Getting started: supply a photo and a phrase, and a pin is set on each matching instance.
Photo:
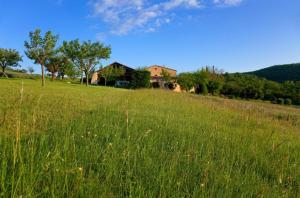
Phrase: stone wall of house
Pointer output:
(157, 70)
(95, 79)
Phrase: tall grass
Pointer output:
(67, 140)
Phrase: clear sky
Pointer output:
(234, 35)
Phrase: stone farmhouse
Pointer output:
(155, 72)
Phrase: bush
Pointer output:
(154, 85)
(186, 81)
(202, 89)
(288, 101)
(214, 86)
(170, 85)
(140, 79)
(274, 100)
(280, 101)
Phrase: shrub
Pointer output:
(274, 100)
(214, 86)
(186, 81)
(202, 89)
(280, 101)
(154, 85)
(140, 79)
(170, 85)
(288, 101)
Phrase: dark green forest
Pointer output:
(280, 73)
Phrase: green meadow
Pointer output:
(68, 140)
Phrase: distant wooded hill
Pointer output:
(280, 73)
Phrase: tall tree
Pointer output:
(52, 65)
(85, 55)
(9, 58)
(41, 48)
(72, 50)
(201, 79)
(66, 67)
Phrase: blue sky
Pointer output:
(233, 35)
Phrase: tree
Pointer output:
(52, 65)
(71, 71)
(141, 78)
(9, 58)
(41, 49)
(111, 73)
(86, 55)
(215, 82)
(201, 80)
(66, 67)
(72, 50)
(186, 81)
(31, 70)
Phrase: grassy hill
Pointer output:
(67, 140)
(280, 73)
(12, 73)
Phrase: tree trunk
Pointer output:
(53, 76)
(87, 78)
(81, 80)
(3, 71)
(43, 76)
(63, 76)
(105, 82)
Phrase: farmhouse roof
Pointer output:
(162, 67)
(118, 65)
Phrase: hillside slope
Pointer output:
(280, 73)
(72, 141)
(11, 73)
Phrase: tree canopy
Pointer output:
(41, 48)
(280, 73)
(85, 55)
(186, 81)
(52, 65)
(9, 58)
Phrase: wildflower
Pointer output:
(48, 154)
(147, 132)
(202, 185)
(80, 169)
(280, 179)
(95, 135)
